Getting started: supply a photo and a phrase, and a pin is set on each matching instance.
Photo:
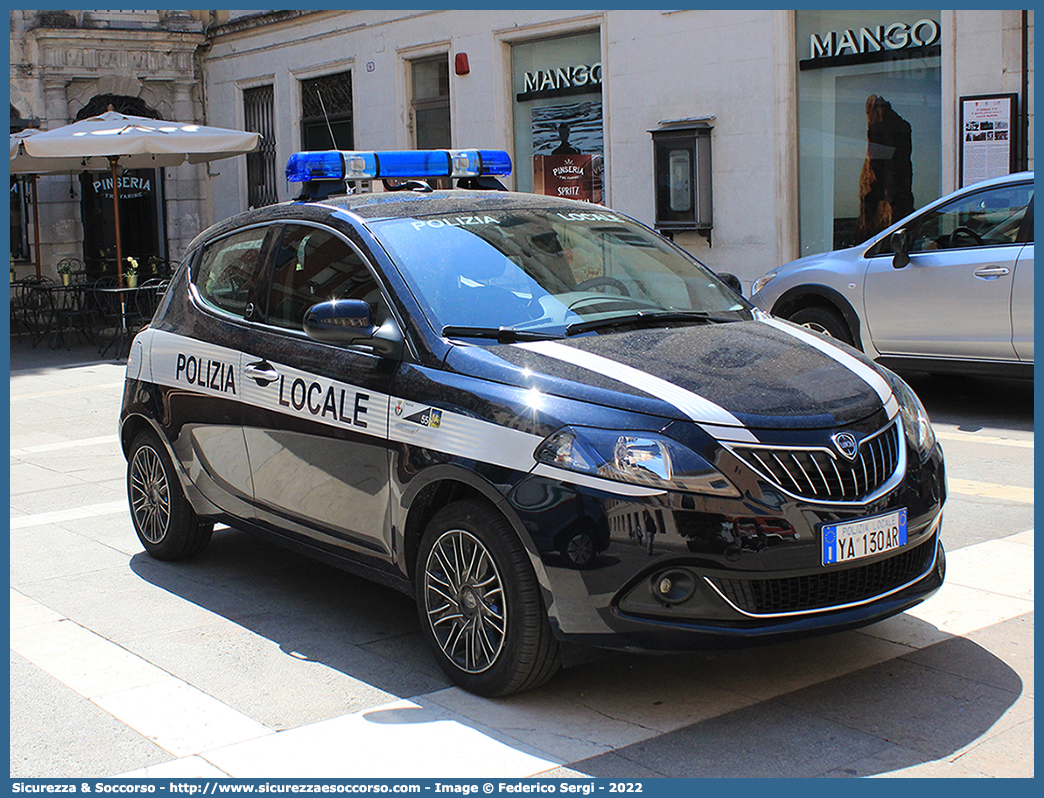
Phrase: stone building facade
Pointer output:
(772, 105)
(69, 64)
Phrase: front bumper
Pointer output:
(738, 575)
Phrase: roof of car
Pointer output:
(396, 205)
(399, 204)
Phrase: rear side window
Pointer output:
(228, 271)
(313, 265)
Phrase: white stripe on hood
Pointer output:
(856, 366)
(701, 410)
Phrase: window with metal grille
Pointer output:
(430, 108)
(259, 117)
(326, 112)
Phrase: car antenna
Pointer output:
(333, 139)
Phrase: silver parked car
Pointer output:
(947, 289)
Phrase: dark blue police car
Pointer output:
(539, 418)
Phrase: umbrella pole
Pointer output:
(113, 161)
(36, 226)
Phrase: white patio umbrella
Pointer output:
(25, 164)
(19, 160)
(112, 140)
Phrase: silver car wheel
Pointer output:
(149, 494)
(464, 601)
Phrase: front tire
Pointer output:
(479, 603)
(827, 321)
(164, 521)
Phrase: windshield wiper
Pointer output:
(654, 317)
(503, 335)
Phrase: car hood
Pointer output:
(761, 374)
(834, 256)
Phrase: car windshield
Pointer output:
(550, 272)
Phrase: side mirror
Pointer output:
(898, 241)
(347, 322)
(732, 281)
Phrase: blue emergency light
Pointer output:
(395, 164)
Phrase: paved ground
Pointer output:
(252, 661)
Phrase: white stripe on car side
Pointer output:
(333, 403)
(863, 371)
(710, 416)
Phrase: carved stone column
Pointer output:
(186, 186)
(61, 231)
(56, 104)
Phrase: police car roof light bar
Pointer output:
(399, 164)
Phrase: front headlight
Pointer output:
(639, 458)
(761, 282)
(915, 418)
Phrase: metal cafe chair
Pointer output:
(21, 312)
(29, 307)
(71, 312)
(75, 268)
(141, 305)
(105, 305)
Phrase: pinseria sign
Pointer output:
(130, 187)
(867, 42)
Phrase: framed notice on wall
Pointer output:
(987, 136)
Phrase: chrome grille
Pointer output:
(822, 474)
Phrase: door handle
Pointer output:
(991, 272)
(262, 372)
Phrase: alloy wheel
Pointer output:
(464, 601)
(149, 494)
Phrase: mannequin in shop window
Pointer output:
(564, 147)
(886, 181)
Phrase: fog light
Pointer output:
(673, 587)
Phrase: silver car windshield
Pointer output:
(549, 271)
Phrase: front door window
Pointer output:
(984, 219)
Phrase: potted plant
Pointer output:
(65, 270)
(130, 272)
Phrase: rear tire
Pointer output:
(479, 603)
(825, 320)
(164, 521)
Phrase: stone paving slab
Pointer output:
(253, 660)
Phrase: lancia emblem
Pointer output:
(846, 443)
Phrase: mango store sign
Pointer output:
(874, 38)
(561, 80)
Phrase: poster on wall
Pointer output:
(986, 137)
(567, 150)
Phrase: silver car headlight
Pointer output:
(638, 458)
(761, 282)
(915, 418)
